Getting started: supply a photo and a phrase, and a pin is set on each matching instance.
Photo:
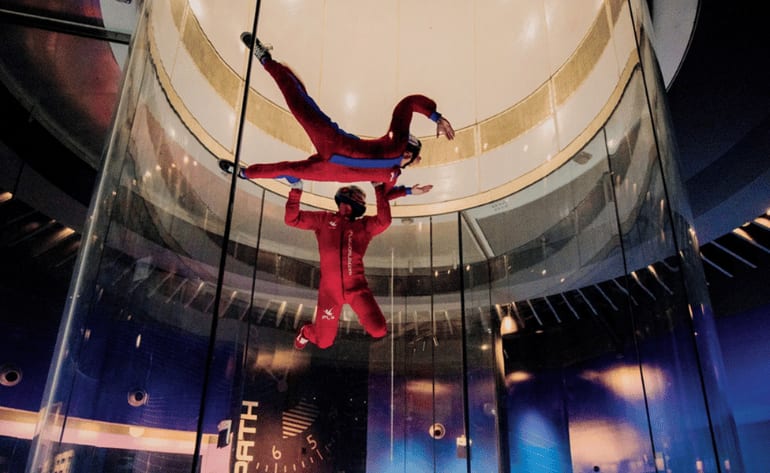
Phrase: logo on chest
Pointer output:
(350, 252)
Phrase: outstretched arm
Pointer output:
(292, 214)
(402, 116)
(401, 191)
(294, 217)
(418, 189)
(382, 220)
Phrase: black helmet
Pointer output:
(353, 196)
(414, 145)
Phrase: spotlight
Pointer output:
(437, 431)
(10, 375)
(138, 397)
(508, 325)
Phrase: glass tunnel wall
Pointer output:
(562, 328)
(707, 348)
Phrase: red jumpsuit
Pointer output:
(341, 244)
(341, 156)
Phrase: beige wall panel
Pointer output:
(360, 68)
(623, 39)
(165, 35)
(511, 54)
(516, 120)
(436, 54)
(222, 79)
(578, 112)
(568, 23)
(223, 27)
(295, 31)
(215, 115)
(519, 156)
(450, 182)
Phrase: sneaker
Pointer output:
(300, 342)
(289, 179)
(261, 51)
(228, 167)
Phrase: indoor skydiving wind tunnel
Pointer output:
(545, 306)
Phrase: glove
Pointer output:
(297, 184)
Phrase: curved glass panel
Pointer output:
(708, 355)
(131, 380)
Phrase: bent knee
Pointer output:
(379, 331)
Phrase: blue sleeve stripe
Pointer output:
(365, 162)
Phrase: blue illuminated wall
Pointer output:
(747, 361)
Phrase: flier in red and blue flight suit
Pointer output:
(341, 156)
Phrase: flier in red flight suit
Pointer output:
(342, 241)
(341, 156)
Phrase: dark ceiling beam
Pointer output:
(62, 26)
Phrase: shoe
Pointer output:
(300, 342)
(290, 179)
(261, 51)
(228, 167)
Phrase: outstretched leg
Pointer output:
(327, 137)
(321, 130)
